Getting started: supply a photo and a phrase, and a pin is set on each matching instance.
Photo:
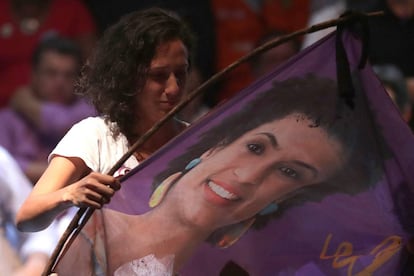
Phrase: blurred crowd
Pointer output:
(44, 43)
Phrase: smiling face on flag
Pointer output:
(234, 182)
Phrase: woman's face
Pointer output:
(403, 9)
(166, 79)
(266, 164)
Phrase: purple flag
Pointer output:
(285, 179)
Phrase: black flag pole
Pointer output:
(83, 214)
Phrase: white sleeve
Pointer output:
(83, 141)
(92, 141)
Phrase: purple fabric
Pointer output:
(58, 119)
(23, 142)
(370, 229)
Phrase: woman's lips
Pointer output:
(220, 191)
(167, 106)
(171, 103)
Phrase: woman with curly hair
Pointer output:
(135, 76)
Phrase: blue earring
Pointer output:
(271, 208)
(192, 164)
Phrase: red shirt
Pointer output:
(68, 18)
(239, 25)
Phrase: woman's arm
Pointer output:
(66, 182)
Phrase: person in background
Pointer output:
(390, 35)
(323, 10)
(258, 67)
(391, 38)
(24, 23)
(42, 112)
(21, 254)
(395, 85)
(264, 63)
(239, 24)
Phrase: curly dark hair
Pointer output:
(317, 100)
(118, 68)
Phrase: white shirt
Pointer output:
(92, 141)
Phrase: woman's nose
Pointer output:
(172, 86)
(252, 174)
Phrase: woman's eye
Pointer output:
(181, 77)
(256, 148)
(159, 76)
(289, 172)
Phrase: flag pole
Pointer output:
(83, 214)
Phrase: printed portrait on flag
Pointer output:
(287, 178)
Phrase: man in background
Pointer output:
(272, 58)
(42, 112)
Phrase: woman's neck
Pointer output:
(174, 237)
(165, 133)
